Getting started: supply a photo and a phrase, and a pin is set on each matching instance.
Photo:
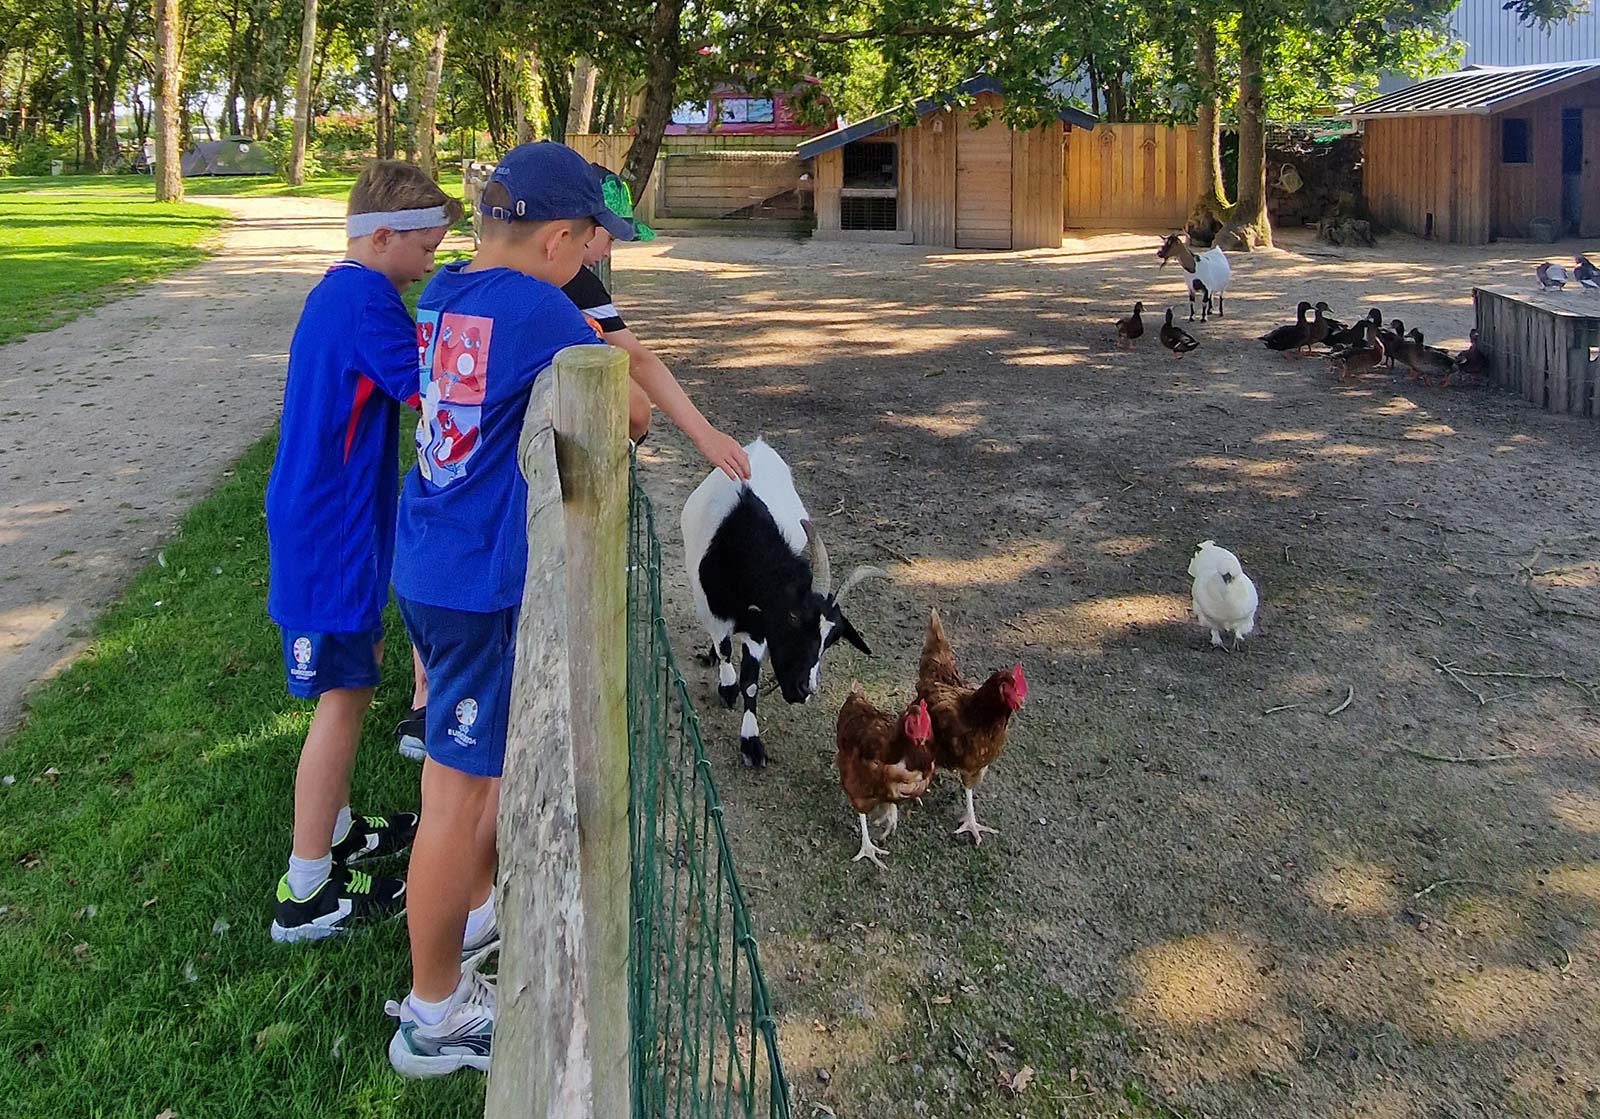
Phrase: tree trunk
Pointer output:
(660, 92)
(525, 95)
(580, 108)
(428, 106)
(1249, 222)
(230, 109)
(19, 126)
(302, 95)
(1211, 209)
(381, 81)
(169, 79)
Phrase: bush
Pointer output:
(280, 145)
(33, 155)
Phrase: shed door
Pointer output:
(983, 185)
(1589, 184)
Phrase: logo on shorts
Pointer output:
(466, 715)
(301, 650)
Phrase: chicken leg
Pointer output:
(970, 825)
(869, 850)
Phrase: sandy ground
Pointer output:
(1280, 910)
(122, 418)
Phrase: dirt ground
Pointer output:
(1218, 888)
(120, 419)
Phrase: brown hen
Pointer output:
(969, 724)
(883, 759)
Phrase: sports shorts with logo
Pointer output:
(315, 662)
(467, 658)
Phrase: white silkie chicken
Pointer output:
(1224, 598)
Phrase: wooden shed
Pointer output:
(1476, 155)
(943, 180)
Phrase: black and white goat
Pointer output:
(760, 576)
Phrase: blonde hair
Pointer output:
(496, 196)
(386, 185)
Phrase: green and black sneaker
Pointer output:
(347, 898)
(373, 837)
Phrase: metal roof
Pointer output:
(860, 130)
(1481, 90)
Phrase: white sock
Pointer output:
(305, 875)
(341, 824)
(428, 1013)
(479, 921)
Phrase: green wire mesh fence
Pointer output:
(704, 1042)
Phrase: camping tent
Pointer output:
(236, 155)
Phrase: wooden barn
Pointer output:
(1483, 153)
(942, 180)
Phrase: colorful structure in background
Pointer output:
(733, 110)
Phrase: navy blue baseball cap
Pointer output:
(551, 182)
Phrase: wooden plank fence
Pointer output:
(1129, 175)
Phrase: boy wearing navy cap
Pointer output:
(330, 535)
(487, 329)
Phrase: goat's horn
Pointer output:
(817, 553)
(865, 571)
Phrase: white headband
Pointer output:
(401, 221)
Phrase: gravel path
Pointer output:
(122, 418)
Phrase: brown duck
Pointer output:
(1177, 339)
(1131, 327)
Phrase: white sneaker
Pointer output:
(485, 944)
(462, 1039)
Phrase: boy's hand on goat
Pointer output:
(723, 452)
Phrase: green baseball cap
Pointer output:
(619, 200)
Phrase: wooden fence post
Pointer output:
(561, 1032)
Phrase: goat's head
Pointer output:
(1172, 247)
(811, 622)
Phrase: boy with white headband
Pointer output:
(330, 535)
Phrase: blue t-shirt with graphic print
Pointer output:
(483, 338)
(331, 496)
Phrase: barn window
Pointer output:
(871, 164)
(745, 110)
(1514, 140)
(691, 112)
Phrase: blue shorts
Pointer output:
(314, 662)
(467, 658)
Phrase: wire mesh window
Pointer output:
(871, 163)
(868, 213)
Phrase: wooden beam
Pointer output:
(561, 1032)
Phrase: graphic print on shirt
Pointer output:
(454, 355)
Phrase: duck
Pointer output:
(1290, 336)
(1472, 362)
(1425, 361)
(1323, 325)
(1353, 336)
(1363, 358)
(1551, 276)
(1392, 339)
(1177, 339)
(1131, 327)
(1585, 272)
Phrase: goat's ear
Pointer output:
(842, 629)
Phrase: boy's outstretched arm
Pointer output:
(651, 374)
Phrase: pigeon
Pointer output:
(1585, 272)
(1223, 596)
(1551, 276)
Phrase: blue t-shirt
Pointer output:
(331, 496)
(483, 338)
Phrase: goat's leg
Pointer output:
(727, 682)
(751, 751)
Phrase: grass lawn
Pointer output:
(140, 842)
(74, 245)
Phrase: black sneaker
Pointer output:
(373, 837)
(410, 735)
(345, 898)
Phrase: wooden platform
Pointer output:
(1543, 345)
